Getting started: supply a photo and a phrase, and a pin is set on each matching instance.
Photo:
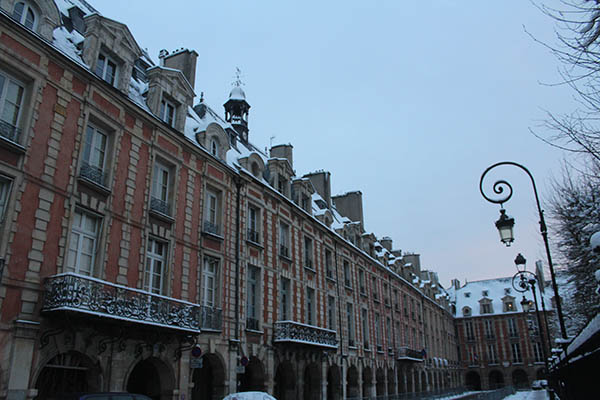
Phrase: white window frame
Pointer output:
(331, 312)
(311, 318)
(103, 73)
(284, 238)
(469, 331)
(253, 292)
(23, 18)
(11, 82)
(161, 187)
(156, 266)
(378, 337)
(512, 327)
(5, 188)
(350, 323)
(210, 281)
(308, 253)
(538, 354)
(347, 274)
(365, 327)
(284, 299)
(516, 353)
(329, 264)
(95, 147)
(168, 112)
(492, 356)
(78, 236)
(489, 328)
(254, 221)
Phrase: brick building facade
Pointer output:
(138, 230)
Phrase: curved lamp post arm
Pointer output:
(498, 188)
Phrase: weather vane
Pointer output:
(238, 77)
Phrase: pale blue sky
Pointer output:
(407, 101)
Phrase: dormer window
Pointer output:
(106, 68)
(167, 112)
(25, 14)
(466, 311)
(214, 147)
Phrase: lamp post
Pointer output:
(505, 228)
(522, 281)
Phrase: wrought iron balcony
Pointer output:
(406, 353)
(212, 228)
(211, 318)
(252, 324)
(295, 332)
(308, 263)
(284, 251)
(84, 294)
(160, 206)
(253, 235)
(9, 131)
(330, 273)
(92, 173)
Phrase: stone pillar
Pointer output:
(324, 383)
(21, 360)
(301, 370)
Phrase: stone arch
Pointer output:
(352, 388)
(423, 381)
(312, 382)
(496, 379)
(472, 381)
(253, 379)
(152, 377)
(209, 381)
(47, 15)
(67, 372)
(367, 382)
(285, 381)
(334, 390)
(379, 382)
(520, 379)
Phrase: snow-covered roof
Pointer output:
(493, 290)
(64, 6)
(237, 93)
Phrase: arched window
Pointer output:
(214, 147)
(25, 14)
(466, 311)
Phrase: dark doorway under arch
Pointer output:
(68, 373)
(519, 379)
(285, 381)
(473, 381)
(153, 378)
(367, 382)
(352, 388)
(312, 382)
(209, 381)
(253, 379)
(496, 379)
(334, 391)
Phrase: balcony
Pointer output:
(330, 273)
(211, 228)
(9, 132)
(408, 354)
(252, 324)
(93, 174)
(87, 295)
(284, 251)
(211, 318)
(160, 206)
(295, 332)
(308, 264)
(253, 236)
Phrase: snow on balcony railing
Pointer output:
(77, 293)
(406, 353)
(292, 331)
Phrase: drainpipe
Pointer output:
(340, 328)
(238, 186)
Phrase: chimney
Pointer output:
(183, 60)
(350, 206)
(455, 284)
(283, 151)
(321, 180)
(76, 15)
(386, 242)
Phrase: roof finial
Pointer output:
(201, 97)
(238, 77)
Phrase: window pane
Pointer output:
(18, 11)
(30, 19)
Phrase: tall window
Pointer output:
(94, 155)
(214, 147)
(310, 306)
(161, 188)
(473, 357)
(212, 211)
(284, 239)
(331, 312)
(512, 327)
(350, 321)
(156, 259)
(486, 307)
(11, 101)
(361, 281)
(378, 332)
(491, 353)
(388, 331)
(374, 288)
(284, 300)
(308, 253)
(167, 112)
(537, 352)
(469, 330)
(106, 68)
(398, 334)
(516, 352)
(489, 328)
(25, 15)
(253, 224)
(83, 242)
(329, 264)
(365, 327)
(4, 192)
(386, 294)
(347, 277)
(252, 296)
(405, 304)
(210, 273)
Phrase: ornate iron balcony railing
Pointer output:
(9, 131)
(211, 318)
(406, 353)
(212, 228)
(253, 235)
(92, 173)
(292, 331)
(252, 324)
(84, 294)
(160, 206)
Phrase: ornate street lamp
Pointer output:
(498, 188)
(505, 228)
